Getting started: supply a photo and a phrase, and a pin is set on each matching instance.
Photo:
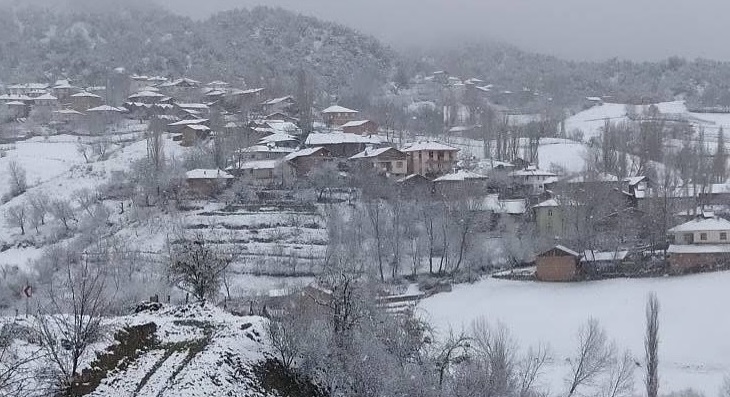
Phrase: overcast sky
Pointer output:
(574, 29)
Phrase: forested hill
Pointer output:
(261, 45)
(702, 82)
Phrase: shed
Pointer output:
(558, 264)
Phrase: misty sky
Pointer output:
(574, 29)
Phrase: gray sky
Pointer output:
(573, 29)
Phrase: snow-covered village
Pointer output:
(203, 200)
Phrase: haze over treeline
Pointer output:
(573, 29)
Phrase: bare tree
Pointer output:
(530, 368)
(453, 351)
(620, 382)
(651, 346)
(594, 356)
(72, 320)
(62, 210)
(86, 199)
(16, 216)
(197, 268)
(15, 364)
(39, 204)
(16, 179)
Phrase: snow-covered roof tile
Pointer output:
(339, 109)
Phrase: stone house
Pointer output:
(430, 158)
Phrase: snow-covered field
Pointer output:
(694, 349)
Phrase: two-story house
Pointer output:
(533, 180)
(702, 242)
(430, 158)
(336, 116)
(387, 160)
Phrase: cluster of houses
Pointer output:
(701, 242)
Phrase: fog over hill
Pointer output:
(574, 29)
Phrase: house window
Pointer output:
(399, 164)
(689, 238)
(550, 212)
(723, 235)
(430, 155)
(703, 236)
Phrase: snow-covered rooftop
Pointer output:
(333, 138)
(279, 100)
(372, 152)
(701, 225)
(302, 153)
(563, 249)
(460, 175)
(429, 146)
(259, 165)
(607, 256)
(274, 138)
(188, 122)
(357, 123)
(106, 108)
(85, 94)
(46, 97)
(200, 106)
(146, 94)
(198, 127)
(532, 171)
(339, 109)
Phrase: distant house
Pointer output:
(336, 116)
(360, 127)
(177, 126)
(280, 140)
(27, 89)
(279, 116)
(533, 180)
(636, 189)
(205, 182)
(17, 109)
(387, 160)
(262, 152)
(430, 158)
(702, 242)
(278, 105)
(147, 96)
(598, 262)
(461, 183)
(415, 185)
(192, 133)
(47, 101)
(553, 216)
(197, 109)
(588, 181)
(305, 160)
(84, 101)
(591, 101)
(340, 144)
(63, 90)
(558, 264)
(275, 172)
(63, 116)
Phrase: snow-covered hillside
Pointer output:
(174, 351)
(694, 349)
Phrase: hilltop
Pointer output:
(256, 45)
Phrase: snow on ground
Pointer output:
(194, 350)
(562, 153)
(591, 121)
(694, 350)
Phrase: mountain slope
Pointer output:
(257, 45)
